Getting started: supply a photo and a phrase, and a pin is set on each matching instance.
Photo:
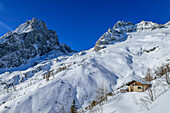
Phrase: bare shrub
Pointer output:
(167, 74)
(163, 85)
(150, 94)
(149, 75)
(135, 100)
(144, 103)
(154, 89)
(164, 70)
(110, 94)
(48, 75)
(61, 69)
(7, 87)
(167, 78)
(14, 87)
(101, 96)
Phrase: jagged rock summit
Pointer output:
(28, 40)
(31, 25)
(121, 28)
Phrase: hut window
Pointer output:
(139, 87)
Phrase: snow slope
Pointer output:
(79, 75)
(130, 102)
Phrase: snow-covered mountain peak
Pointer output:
(147, 22)
(120, 30)
(29, 40)
(31, 25)
(117, 33)
(147, 25)
(167, 24)
(122, 24)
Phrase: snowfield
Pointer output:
(79, 75)
(130, 102)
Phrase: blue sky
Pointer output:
(79, 23)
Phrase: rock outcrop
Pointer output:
(27, 41)
(119, 32)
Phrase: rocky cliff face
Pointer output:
(27, 41)
(120, 30)
(146, 25)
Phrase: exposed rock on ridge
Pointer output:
(121, 28)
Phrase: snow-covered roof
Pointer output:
(140, 80)
(125, 87)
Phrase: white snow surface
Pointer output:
(130, 102)
(85, 72)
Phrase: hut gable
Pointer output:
(134, 83)
(138, 86)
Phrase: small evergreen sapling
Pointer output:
(73, 107)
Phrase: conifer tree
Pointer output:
(73, 107)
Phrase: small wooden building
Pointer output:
(138, 86)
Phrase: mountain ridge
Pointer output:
(120, 31)
(53, 83)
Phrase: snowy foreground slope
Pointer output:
(124, 103)
(79, 75)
